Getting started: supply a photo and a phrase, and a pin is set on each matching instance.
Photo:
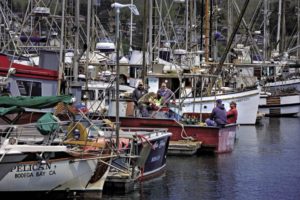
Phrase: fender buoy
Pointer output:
(123, 143)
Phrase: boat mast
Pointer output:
(88, 41)
(130, 39)
(283, 30)
(150, 35)
(144, 70)
(206, 41)
(61, 62)
(266, 30)
(117, 8)
(229, 19)
(117, 74)
(278, 25)
(210, 27)
(298, 22)
(186, 24)
(76, 45)
(201, 30)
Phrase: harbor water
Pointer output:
(265, 164)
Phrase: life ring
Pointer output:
(82, 130)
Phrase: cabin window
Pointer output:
(271, 71)
(29, 88)
(90, 94)
(188, 82)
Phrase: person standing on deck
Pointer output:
(136, 95)
(232, 114)
(166, 95)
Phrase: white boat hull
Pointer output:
(287, 105)
(247, 105)
(43, 168)
(59, 175)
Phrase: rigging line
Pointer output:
(247, 29)
(228, 47)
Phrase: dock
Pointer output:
(119, 182)
(184, 147)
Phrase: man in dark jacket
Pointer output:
(136, 95)
(218, 114)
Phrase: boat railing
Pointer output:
(130, 132)
(29, 133)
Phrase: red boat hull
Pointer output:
(218, 140)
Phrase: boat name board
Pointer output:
(31, 170)
(242, 99)
(158, 145)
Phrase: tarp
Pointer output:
(40, 102)
(47, 124)
(10, 110)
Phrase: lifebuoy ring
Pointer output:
(82, 130)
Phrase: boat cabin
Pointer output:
(27, 80)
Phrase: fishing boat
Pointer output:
(280, 104)
(142, 156)
(190, 99)
(47, 155)
(37, 157)
(210, 139)
(279, 95)
(44, 168)
(190, 135)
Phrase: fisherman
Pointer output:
(218, 115)
(136, 95)
(166, 95)
(232, 114)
